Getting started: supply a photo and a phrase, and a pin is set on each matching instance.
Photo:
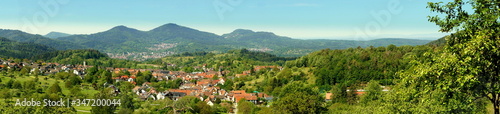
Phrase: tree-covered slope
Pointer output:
(178, 39)
(438, 42)
(9, 48)
(56, 35)
(19, 36)
(90, 56)
(285, 46)
(119, 38)
(123, 39)
(356, 65)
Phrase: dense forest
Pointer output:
(90, 56)
(356, 65)
(13, 49)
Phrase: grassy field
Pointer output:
(47, 83)
(152, 66)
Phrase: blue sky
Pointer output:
(304, 19)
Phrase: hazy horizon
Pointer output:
(298, 19)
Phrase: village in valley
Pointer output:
(204, 85)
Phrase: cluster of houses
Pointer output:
(44, 68)
(199, 84)
(204, 93)
(202, 85)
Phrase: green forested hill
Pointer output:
(355, 65)
(123, 39)
(116, 39)
(438, 42)
(234, 60)
(19, 36)
(177, 39)
(56, 35)
(285, 46)
(173, 38)
(90, 56)
(9, 48)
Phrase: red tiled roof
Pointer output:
(187, 92)
(238, 97)
(238, 92)
(124, 77)
(360, 92)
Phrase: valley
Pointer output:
(251, 57)
(128, 43)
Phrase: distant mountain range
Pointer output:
(20, 36)
(56, 35)
(125, 42)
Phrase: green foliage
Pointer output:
(457, 78)
(55, 88)
(29, 85)
(125, 111)
(17, 85)
(10, 83)
(373, 92)
(298, 98)
(185, 104)
(439, 42)
(90, 56)
(127, 102)
(357, 64)
(74, 80)
(234, 60)
(203, 108)
(9, 48)
(245, 107)
(228, 85)
(104, 94)
(339, 93)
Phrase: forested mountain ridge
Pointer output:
(56, 35)
(117, 37)
(9, 48)
(20, 36)
(173, 38)
(129, 43)
(286, 46)
(166, 38)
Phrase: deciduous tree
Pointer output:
(471, 60)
